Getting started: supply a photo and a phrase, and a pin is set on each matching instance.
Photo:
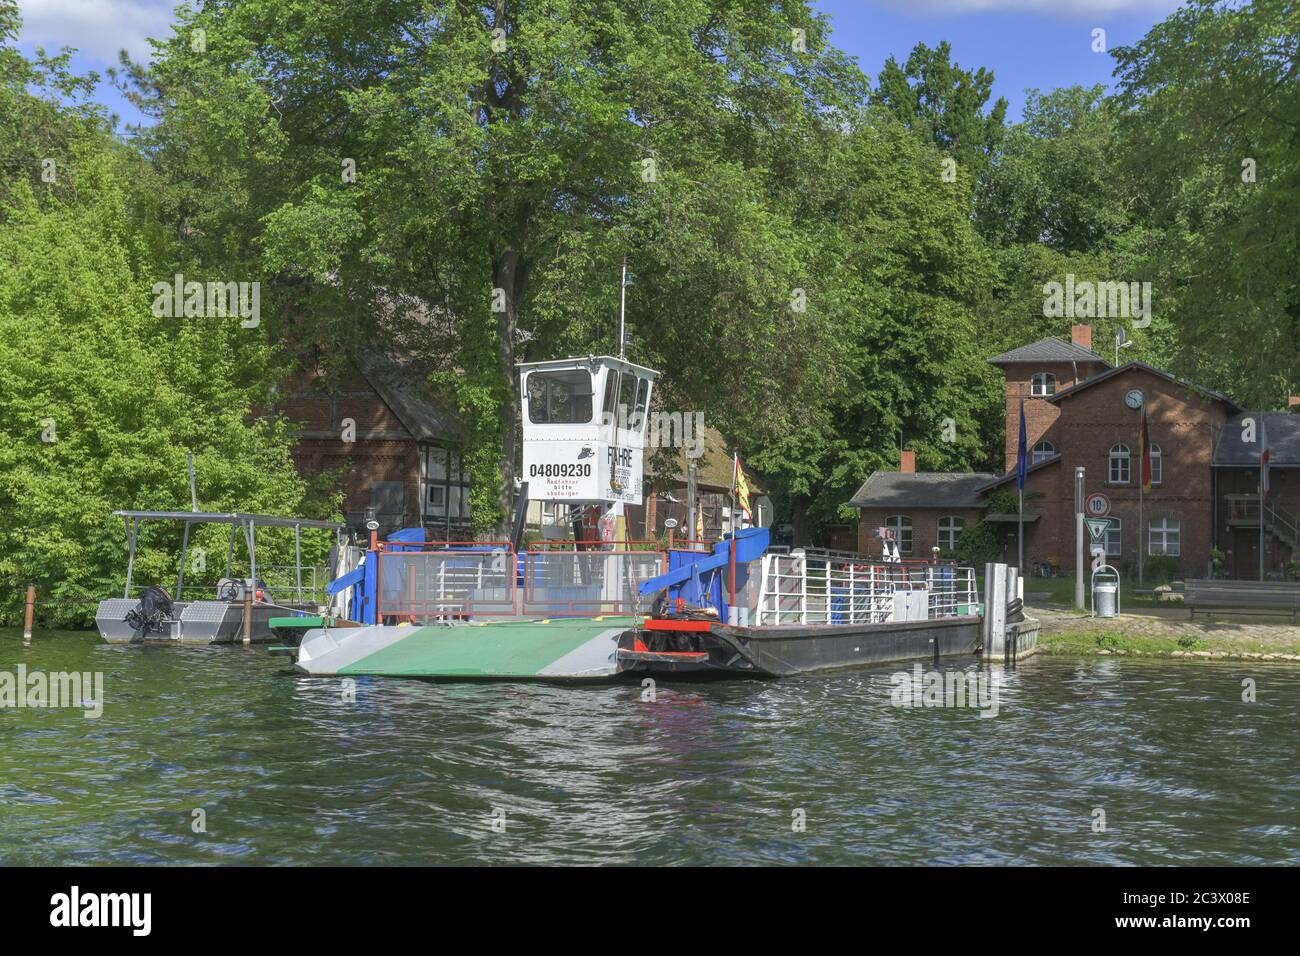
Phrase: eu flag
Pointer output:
(1022, 461)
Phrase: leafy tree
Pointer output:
(1210, 102)
(944, 103)
(102, 399)
(507, 156)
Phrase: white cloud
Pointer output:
(1074, 9)
(97, 28)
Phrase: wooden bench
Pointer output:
(1272, 597)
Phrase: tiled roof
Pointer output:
(404, 390)
(1011, 475)
(922, 490)
(1281, 429)
(1142, 366)
(1048, 350)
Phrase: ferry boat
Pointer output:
(605, 609)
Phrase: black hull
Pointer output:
(786, 650)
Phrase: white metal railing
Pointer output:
(815, 589)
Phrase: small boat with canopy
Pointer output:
(231, 610)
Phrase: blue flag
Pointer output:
(1022, 462)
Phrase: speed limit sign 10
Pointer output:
(1097, 505)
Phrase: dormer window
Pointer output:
(1043, 383)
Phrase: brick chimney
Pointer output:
(1081, 335)
(907, 462)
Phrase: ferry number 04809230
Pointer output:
(560, 470)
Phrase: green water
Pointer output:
(289, 772)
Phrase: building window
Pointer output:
(1115, 539)
(562, 397)
(1166, 537)
(950, 528)
(1042, 451)
(901, 525)
(1157, 465)
(446, 488)
(1043, 383)
(1119, 464)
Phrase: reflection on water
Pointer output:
(287, 771)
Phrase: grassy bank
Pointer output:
(1142, 636)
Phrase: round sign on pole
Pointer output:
(1097, 505)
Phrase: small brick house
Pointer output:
(1081, 411)
(923, 510)
(395, 448)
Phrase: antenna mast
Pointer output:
(622, 303)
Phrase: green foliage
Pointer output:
(102, 399)
(944, 103)
(775, 175)
(1210, 106)
(979, 544)
(1160, 569)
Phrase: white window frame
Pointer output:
(1115, 538)
(1041, 452)
(1157, 465)
(1042, 384)
(898, 524)
(1167, 528)
(949, 530)
(1115, 457)
(446, 493)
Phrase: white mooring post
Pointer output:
(995, 609)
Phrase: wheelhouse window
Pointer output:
(1043, 383)
(950, 529)
(1166, 537)
(446, 488)
(1115, 538)
(901, 525)
(1119, 464)
(625, 400)
(1157, 465)
(1042, 451)
(560, 397)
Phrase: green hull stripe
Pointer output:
(508, 649)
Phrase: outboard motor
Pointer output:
(153, 613)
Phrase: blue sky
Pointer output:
(1026, 43)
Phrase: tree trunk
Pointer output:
(801, 531)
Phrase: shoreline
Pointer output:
(1140, 635)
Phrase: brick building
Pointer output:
(1081, 411)
(394, 448)
(923, 510)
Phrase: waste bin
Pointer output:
(1103, 596)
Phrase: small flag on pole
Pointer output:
(1144, 452)
(740, 487)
